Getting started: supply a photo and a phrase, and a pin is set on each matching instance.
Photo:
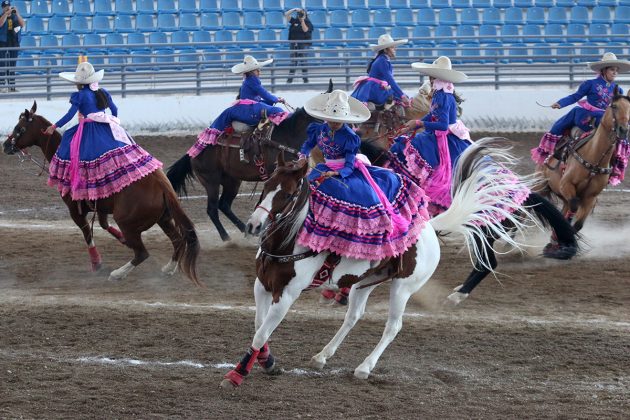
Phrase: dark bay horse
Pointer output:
(221, 166)
(135, 209)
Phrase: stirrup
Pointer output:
(242, 156)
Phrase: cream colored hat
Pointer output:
(440, 69)
(386, 41)
(337, 106)
(610, 60)
(249, 64)
(83, 75)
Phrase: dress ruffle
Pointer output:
(208, 137)
(546, 147)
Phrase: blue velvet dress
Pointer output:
(371, 91)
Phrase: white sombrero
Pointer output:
(250, 64)
(83, 75)
(386, 41)
(441, 69)
(337, 107)
(610, 60)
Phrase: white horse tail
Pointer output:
(481, 201)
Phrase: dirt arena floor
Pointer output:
(546, 339)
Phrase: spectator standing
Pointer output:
(300, 29)
(11, 23)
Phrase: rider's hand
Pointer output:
(556, 105)
(328, 174)
(405, 100)
(51, 129)
(413, 125)
(281, 100)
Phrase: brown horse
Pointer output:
(136, 208)
(579, 180)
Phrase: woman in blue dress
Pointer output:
(96, 157)
(356, 210)
(379, 86)
(599, 94)
(252, 103)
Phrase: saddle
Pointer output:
(388, 116)
(573, 140)
(249, 139)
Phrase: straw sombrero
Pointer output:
(249, 64)
(440, 69)
(83, 75)
(337, 106)
(610, 60)
(386, 41)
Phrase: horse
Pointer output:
(284, 269)
(135, 209)
(546, 213)
(589, 164)
(221, 166)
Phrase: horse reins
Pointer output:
(13, 137)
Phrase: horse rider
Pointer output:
(96, 157)
(356, 210)
(253, 103)
(598, 93)
(379, 86)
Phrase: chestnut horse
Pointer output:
(284, 269)
(579, 180)
(136, 208)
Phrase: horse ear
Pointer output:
(34, 107)
(330, 86)
(27, 113)
(280, 159)
(304, 169)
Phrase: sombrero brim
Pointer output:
(358, 112)
(71, 77)
(244, 68)
(624, 66)
(377, 47)
(448, 75)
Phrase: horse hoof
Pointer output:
(456, 298)
(317, 364)
(559, 252)
(170, 268)
(272, 370)
(361, 374)
(227, 384)
(114, 278)
(96, 267)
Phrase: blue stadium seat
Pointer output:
(419, 4)
(145, 7)
(101, 25)
(565, 3)
(223, 36)
(531, 34)
(448, 17)
(357, 4)
(622, 15)
(29, 44)
(524, 4)
(103, 7)
(609, 3)
(444, 35)
(123, 23)
(502, 4)
(464, 32)
(137, 39)
(245, 35)
(544, 3)
(488, 34)
(339, 19)
(316, 5)
(557, 15)
(440, 4)
(377, 4)
(114, 38)
(361, 18)
(513, 16)
(587, 3)
(166, 6)
(424, 33)
(469, 16)
(179, 37)
(318, 18)
(166, 22)
(404, 17)
(272, 6)
(144, 23)
(271, 38)
(251, 6)
(40, 8)
(535, 15)
(481, 4)
(94, 44)
(555, 33)
(209, 6)
(209, 21)
(188, 21)
(158, 38)
(24, 8)
(621, 29)
(275, 20)
(598, 33)
(398, 4)
(469, 53)
(492, 16)
(334, 34)
(576, 32)
(201, 40)
(72, 43)
(50, 41)
(400, 32)
(60, 8)
(357, 35)
(601, 15)
(510, 33)
(493, 50)
(543, 53)
(590, 53)
(36, 26)
(579, 14)
(335, 5)
(57, 25)
(426, 17)
(383, 17)
(141, 60)
(253, 20)
(230, 6)
(374, 32)
(517, 53)
(187, 6)
(188, 58)
(231, 20)
(124, 7)
(79, 25)
(460, 4)
(292, 4)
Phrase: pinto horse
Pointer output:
(136, 208)
(284, 268)
(589, 165)
(545, 212)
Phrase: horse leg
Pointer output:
(478, 273)
(104, 222)
(586, 207)
(134, 241)
(81, 221)
(356, 309)
(272, 319)
(263, 300)
(212, 189)
(169, 229)
(231, 187)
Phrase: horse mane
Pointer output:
(290, 123)
(292, 223)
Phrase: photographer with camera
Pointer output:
(300, 29)
(11, 23)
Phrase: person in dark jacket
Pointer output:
(11, 23)
(301, 30)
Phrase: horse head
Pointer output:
(26, 133)
(620, 107)
(279, 196)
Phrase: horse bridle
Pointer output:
(15, 136)
(291, 200)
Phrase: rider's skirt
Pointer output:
(105, 164)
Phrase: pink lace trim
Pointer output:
(438, 186)
(447, 87)
(546, 147)
(619, 162)
(278, 117)
(207, 137)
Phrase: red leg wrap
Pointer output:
(116, 234)
(342, 296)
(328, 294)
(265, 358)
(243, 368)
(95, 258)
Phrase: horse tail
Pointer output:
(549, 216)
(482, 207)
(179, 173)
(187, 250)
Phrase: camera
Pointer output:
(300, 14)
(13, 11)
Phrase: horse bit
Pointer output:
(24, 156)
